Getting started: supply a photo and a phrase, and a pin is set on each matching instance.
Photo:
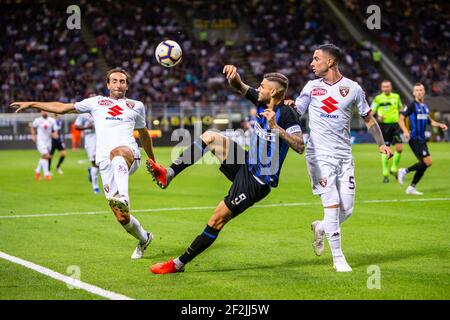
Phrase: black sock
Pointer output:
(418, 166)
(189, 156)
(417, 176)
(61, 159)
(200, 244)
(50, 164)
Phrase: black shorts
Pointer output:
(391, 133)
(245, 190)
(57, 144)
(419, 148)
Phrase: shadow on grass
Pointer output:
(356, 260)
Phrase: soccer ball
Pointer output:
(168, 53)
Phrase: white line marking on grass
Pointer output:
(293, 204)
(68, 280)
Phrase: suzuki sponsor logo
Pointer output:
(329, 107)
(115, 111)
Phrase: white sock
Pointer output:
(178, 263)
(38, 168)
(333, 231)
(135, 229)
(44, 166)
(121, 175)
(94, 177)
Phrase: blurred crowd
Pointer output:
(43, 60)
(417, 32)
(40, 59)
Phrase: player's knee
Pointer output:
(115, 153)
(218, 220)
(347, 212)
(428, 162)
(330, 199)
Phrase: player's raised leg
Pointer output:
(210, 140)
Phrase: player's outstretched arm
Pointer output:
(375, 131)
(146, 141)
(54, 107)
(438, 124)
(234, 79)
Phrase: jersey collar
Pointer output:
(332, 84)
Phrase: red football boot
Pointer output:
(159, 173)
(166, 267)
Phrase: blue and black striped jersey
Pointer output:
(418, 114)
(267, 151)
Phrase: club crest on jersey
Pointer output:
(344, 91)
(318, 91)
(105, 103)
(323, 182)
(106, 188)
(130, 104)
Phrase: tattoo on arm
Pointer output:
(375, 131)
(295, 141)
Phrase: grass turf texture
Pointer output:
(265, 253)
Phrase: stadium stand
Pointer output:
(422, 46)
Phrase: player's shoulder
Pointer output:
(351, 83)
(379, 96)
(94, 99)
(134, 103)
(314, 82)
(287, 112)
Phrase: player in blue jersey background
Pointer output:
(419, 118)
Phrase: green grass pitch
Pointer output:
(265, 253)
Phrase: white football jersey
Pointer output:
(115, 121)
(44, 128)
(330, 108)
(86, 120)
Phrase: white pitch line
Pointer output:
(293, 204)
(68, 280)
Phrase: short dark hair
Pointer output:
(384, 81)
(417, 84)
(333, 50)
(117, 70)
(278, 78)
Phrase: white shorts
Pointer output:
(328, 172)
(107, 173)
(44, 148)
